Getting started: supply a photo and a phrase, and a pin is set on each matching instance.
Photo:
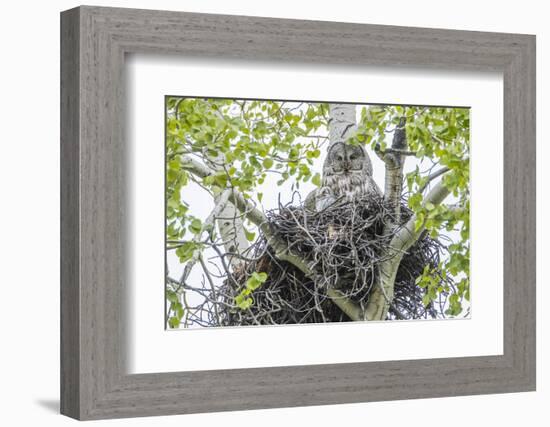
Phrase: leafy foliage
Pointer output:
(244, 299)
(244, 141)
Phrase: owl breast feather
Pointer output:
(350, 186)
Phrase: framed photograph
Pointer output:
(261, 213)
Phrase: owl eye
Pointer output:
(339, 158)
(353, 157)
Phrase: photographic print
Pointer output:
(300, 212)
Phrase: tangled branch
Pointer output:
(343, 245)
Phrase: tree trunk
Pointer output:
(383, 293)
(230, 225)
(229, 221)
(342, 123)
(393, 185)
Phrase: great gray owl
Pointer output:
(347, 175)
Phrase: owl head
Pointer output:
(345, 158)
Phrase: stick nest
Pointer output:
(343, 245)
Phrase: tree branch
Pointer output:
(282, 252)
(212, 287)
(408, 234)
(382, 296)
(196, 168)
(234, 236)
(433, 176)
(393, 158)
(350, 308)
(389, 150)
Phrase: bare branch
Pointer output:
(381, 153)
(212, 286)
(433, 176)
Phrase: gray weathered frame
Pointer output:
(94, 42)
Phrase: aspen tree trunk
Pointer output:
(342, 123)
(230, 225)
(383, 293)
(229, 222)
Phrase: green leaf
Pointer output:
(419, 221)
(426, 300)
(414, 201)
(260, 277)
(196, 226)
(173, 322)
(267, 162)
(172, 296)
(243, 302)
(185, 251)
(255, 281)
(316, 179)
(250, 235)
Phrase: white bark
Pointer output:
(342, 123)
(229, 220)
(395, 162)
(196, 168)
(230, 225)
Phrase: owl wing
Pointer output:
(319, 199)
(324, 200)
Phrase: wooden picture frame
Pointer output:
(94, 41)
